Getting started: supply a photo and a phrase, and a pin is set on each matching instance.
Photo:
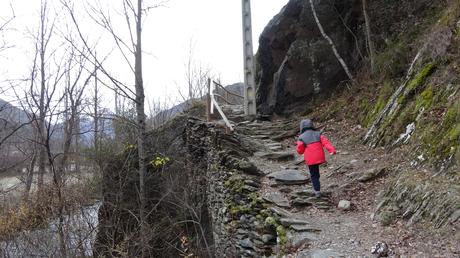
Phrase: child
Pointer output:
(311, 143)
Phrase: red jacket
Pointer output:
(313, 152)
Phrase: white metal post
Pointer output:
(249, 81)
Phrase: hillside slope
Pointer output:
(410, 105)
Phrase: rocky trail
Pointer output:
(340, 223)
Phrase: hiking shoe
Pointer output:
(317, 194)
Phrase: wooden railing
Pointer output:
(227, 93)
(211, 101)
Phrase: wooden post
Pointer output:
(211, 94)
(208, 101)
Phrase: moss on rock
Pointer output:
(384, 94)
(421, 76)
(425, 99)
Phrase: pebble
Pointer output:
(246, 243)
(344, 205)
(268, 238)
(353, 161)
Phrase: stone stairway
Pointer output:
(283, 185)
(274, 212)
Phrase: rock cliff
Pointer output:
(410, 105)
(294, 61)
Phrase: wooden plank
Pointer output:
(227, 91)
(208, 101)
(214, 102)
(223, 98)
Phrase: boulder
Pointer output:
(294, 61)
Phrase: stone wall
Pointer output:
(201, 194)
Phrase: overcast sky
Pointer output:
(213, 27)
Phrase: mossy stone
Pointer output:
(420, 77)
(425, 99)
(281, 232)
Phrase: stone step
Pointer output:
(297, 239)
(289, 177)
(293, 221)
(277, 199)
(260, 137)
(305, 228)
(301, 202)
(273, 144)
(278, 156)
(284, 135)
(318, 253)
(308, 193)
(275, 148)
(281, 212)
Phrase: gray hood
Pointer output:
(306, 124)
(308, 133)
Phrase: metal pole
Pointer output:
(249, 81)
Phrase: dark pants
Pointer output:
(314, 175)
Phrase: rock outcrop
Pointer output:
(294, 61)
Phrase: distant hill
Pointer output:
(165, 115)
(12, 116)
(12, 113)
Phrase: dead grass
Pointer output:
(37, 211)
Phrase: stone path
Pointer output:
(317, 227)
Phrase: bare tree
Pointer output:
(160, 111)
(96, 110)
(43, 38)
(196, 76)
(331, 43)
(370, 43)
(4, 22)
(133, 14)
(141, 140)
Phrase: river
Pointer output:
(80, 233)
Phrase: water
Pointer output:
(80, 233)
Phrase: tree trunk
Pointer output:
(370, 44)
(139, 85)
(30, 173)
(77, 134)
(96, 111)
(41, 118)
(331, 43)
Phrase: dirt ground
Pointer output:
(353, 233)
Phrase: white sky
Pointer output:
(214, 27)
